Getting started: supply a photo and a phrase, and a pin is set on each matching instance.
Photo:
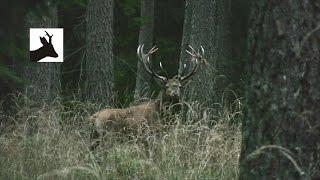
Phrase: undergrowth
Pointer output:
(51, 142)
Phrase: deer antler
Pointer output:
(196, 56)
(144, 59)
(50, 37)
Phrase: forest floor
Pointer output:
(52, 143)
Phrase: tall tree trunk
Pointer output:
(283, 94)
(42, 79)
(142, 89)
(187, 28)
(210, 29)
(99, 56)
(240, 11)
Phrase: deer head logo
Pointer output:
(47, 50)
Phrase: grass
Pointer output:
(52, 143)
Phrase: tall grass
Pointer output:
(51, 142)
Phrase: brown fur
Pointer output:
(131, 119)
(124, 117)
(127, 120)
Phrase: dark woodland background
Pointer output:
(167, 34)
(264, 53)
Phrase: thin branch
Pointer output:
(286, 152)
(305, 38)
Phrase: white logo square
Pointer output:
(46, 44)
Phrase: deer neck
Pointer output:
(170, 101)
(39, 53)
(164, 103)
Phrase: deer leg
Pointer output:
(148, 148)
(146, 139)
(94, 139)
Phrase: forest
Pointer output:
(160, 89)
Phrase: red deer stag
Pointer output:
(129, 119)
(46, 50)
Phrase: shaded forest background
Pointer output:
(168, 29)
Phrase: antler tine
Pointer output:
(141, 49)
(191, 48)
(144, 59)
(197, 57)
(138, 50)
(190, 53)
(202, 50)
(153, 49)
(49, 36)
(140, 53)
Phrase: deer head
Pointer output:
(46, 50)
(48, 46)
(172, 86)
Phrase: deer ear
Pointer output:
(43, 40)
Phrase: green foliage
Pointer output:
(13, 44)
(126, 29)
(129, 7)
(9, 75)
(72, 3)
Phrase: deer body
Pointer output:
(131, 118)
(118, 119)
(126, 121)
(47, 50)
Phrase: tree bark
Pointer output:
(42, 79)
(142, 89)
(99, 55)
(283, 94)
(187, 28)
(210, 29)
